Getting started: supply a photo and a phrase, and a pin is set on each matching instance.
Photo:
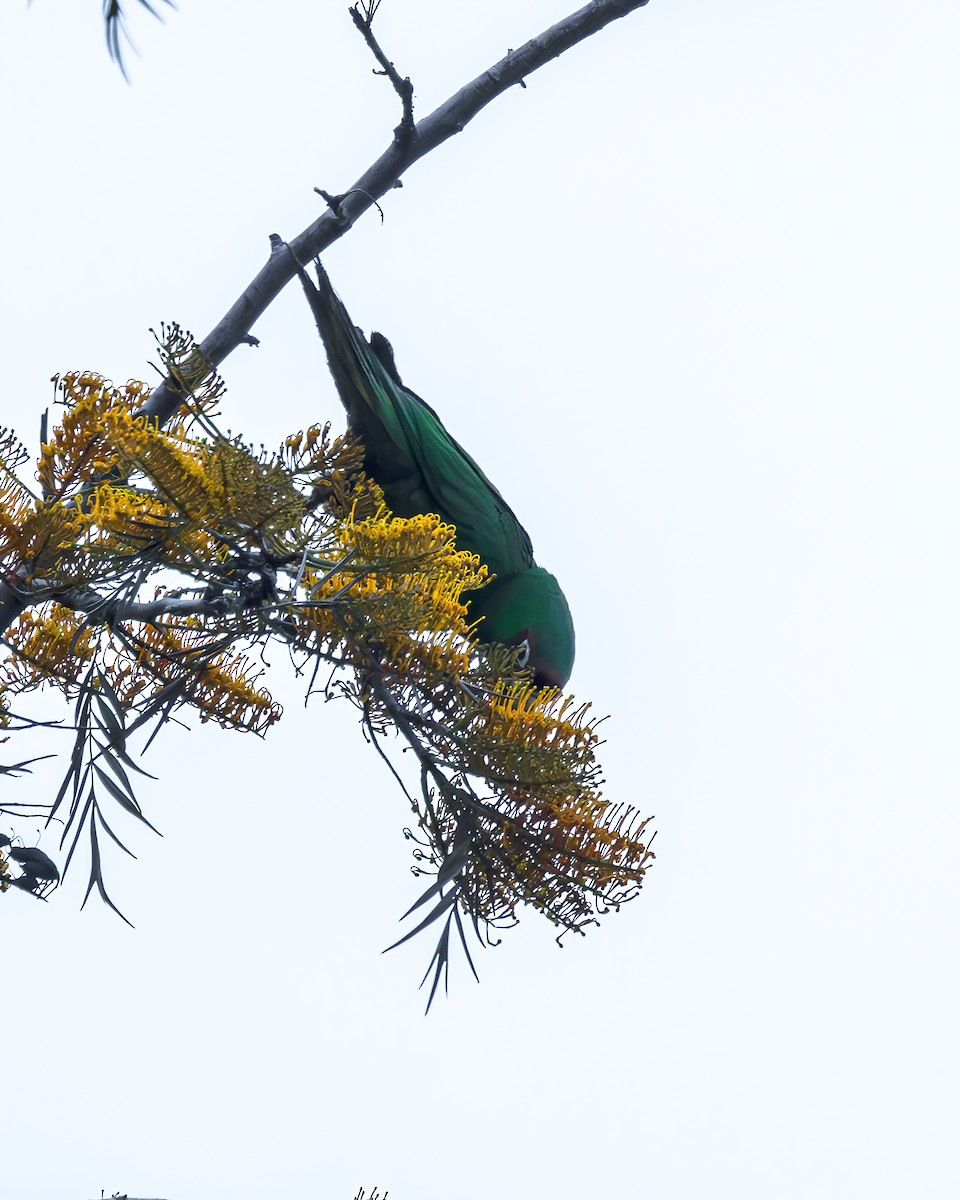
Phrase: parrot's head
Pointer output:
(529, 609)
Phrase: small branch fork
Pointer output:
(363, 14)
(450, 118)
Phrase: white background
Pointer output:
(691, 300)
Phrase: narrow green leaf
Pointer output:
(448, 871)
(441, 956)
(96, 875)
(113, 726)
(128, 761)
(79, 785)
(98, 815)
(108, 690)
(107, 755)
(126, 802)
(76, 839)
(436, 912)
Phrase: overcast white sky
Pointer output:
(691, 299)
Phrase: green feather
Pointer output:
(422, 469)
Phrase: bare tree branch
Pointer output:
(449, 119)
(110, 609)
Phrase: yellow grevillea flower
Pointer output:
(221, 686)
(242, 547)
(16, 502)
(396, 599)
(49, 644)
(540, 717)
(80, 448)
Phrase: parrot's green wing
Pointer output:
(420, 467)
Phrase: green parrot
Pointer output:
(422, 469)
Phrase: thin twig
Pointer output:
(450, 118)
(403, 133)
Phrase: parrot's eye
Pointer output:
(523, 653)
